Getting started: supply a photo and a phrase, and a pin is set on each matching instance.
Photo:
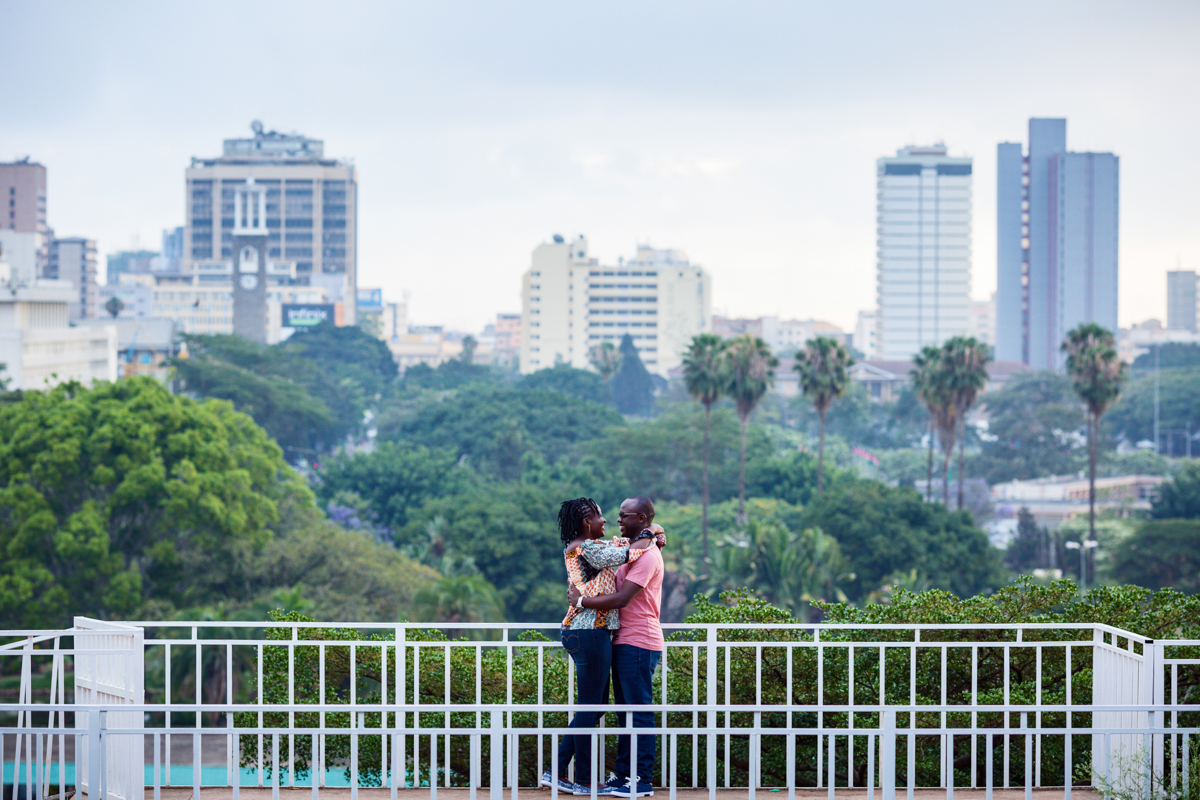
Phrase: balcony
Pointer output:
(346, 708)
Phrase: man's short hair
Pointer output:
(644, 505)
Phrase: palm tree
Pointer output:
(605, 359)
(750, 373)
(822, 365)
(968, 359)
(926, 376)
(704, 376)
(1097, 373)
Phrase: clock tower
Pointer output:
(250, 261)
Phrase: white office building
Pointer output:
(571, 303)
(38, 346)
(924, 249)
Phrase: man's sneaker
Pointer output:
(614, 781)
(625, 789)
(564, 785)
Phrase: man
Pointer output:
(637, 647)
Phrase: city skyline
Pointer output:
(751, 148)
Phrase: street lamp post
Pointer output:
(1082, 548)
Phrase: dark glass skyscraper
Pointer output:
(1056, 244)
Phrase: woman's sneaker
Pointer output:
(563, 784)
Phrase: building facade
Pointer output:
(74, 260)
(923, 274)
(1056, 244)
(571, 303)
(866, 328)
(23, 208)
(311, 209)
(1181, 300)
(39, 348)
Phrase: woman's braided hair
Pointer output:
(571, 516)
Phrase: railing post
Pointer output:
(94, 758)
(496, 773)
(1153, 694)
(711, 700)
(887, 754)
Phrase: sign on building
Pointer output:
(306, 315)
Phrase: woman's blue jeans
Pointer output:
(592, 651)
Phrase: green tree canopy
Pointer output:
(1163, 553)
(494, 427)
(1179, 498)
(568, 380)
(883, 530)
(663, 458)
(1034, 422)
(452, 374)
(1179, 412)
(1171, 354)
(123, 494)
(308, 392)
(395, 478)
(632, 386)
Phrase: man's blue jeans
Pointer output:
(592, 651)
(633, 671)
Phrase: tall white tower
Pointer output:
(250, 237)
(923, 275)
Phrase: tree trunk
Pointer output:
(742, 472)
(821, 457)
(929, 470)
(704, 492)
(946, 456)
(962, 443)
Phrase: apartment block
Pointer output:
(571, 303)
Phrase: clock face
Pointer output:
(249, 282)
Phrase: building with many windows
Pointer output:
(571, 303)
(311, 209)
(74, 260)
(1181, 300)
(923, 267)
(1056, 244)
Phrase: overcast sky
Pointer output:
(742, 133)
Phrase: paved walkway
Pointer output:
(248, 793)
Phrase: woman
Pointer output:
(587, 632)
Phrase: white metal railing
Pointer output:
(733, 704)
(884, 744)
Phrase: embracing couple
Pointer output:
(612, 632)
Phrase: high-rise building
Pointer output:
(311, 209)
(1181, 300)
(571, 303)
(1056, 244)
(74, 260)
(23, 210)
(923, 275)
